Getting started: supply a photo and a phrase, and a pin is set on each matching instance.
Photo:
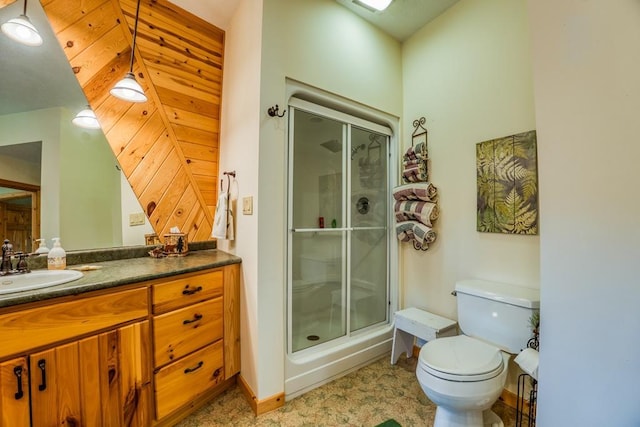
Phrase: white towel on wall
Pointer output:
(230, 233)
(220, 218)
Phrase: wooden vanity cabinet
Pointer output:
(196, 338)
(100, 378)
(111, 359)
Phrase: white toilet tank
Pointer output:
(497, 313)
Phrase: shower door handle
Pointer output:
(316, 230)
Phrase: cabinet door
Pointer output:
(55, 386)
(14, 393)
(103, 380)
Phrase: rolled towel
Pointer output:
(417, 152)
(417, 173)
(421, 235)
(404, 231)
(528, 361)
(424, 191)
(424, 212)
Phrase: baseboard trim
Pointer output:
(263, 406)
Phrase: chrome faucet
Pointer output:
(6, 267)
(7, 252)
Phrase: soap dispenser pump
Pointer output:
(57, 257)
(42, 249)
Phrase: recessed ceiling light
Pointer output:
(374, 4)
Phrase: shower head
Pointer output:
(355, 149)
(332, 145)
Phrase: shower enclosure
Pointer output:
(338, 222)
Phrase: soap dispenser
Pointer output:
(42, 249)
(57, 257)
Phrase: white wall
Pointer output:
(132, 235)
(469, 73)
(587, 91)
(239, 150)
(322, 44)
(80, 197)
(40, 125)
(90, 212)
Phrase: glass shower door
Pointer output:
(338, 239)
(368, 258)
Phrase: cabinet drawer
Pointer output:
(27, 329)
(179, 332)
(187, 290)
(180, 382)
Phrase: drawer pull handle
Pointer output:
(195, 368)
(216, 373)
(17, 371)
(196, 317)
(188, 291)
(42, 364)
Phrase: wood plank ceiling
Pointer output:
(167, 147)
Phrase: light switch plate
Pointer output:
(247, 205)
(136, 218)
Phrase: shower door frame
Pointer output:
(348, 121)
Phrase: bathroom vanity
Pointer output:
(135, 342)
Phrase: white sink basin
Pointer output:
(36, 279)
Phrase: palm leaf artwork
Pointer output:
(507, 183)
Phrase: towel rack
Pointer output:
(228, 175)
(419, 132)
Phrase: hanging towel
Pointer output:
(424, 191)
(424, 212)
(221, 217)
(230, 220)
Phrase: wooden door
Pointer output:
(14, 393)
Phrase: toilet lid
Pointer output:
(461, 358)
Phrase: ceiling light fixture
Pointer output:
(22, 30)
(86, 119)
(128, 88)
(375, 5)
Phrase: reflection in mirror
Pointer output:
(84, 197)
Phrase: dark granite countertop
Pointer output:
(124, 271)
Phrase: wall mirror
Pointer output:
(84, 198)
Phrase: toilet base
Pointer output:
(487, 418)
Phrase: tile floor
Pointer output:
(364, 398)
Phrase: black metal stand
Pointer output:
(530, 415)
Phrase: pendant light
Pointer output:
(86, 119)
(128, 89)
(22, 30)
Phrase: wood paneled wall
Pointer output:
(168, 146)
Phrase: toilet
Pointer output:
(465, 374)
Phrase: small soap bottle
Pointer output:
(57, 257)
(42, 249)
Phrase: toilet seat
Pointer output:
(461, 359)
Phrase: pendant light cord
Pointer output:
(24, 12)
(135, 33)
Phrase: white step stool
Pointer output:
(413, 322)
